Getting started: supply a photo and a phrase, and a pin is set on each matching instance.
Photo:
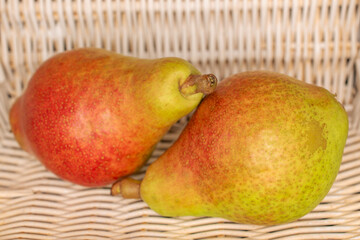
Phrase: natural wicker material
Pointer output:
(316, 41)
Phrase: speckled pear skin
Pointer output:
(92, 116)
(263, 149)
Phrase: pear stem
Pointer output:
(205, 84)
(127, 188)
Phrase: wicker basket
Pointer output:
(316, 41)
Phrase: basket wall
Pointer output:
(315, 41)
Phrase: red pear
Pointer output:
(263, 148)
(92, 116)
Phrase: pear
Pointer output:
(92, 116)
(263, 148)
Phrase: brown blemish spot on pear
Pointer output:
(315, 137)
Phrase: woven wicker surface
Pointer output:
(316, 41)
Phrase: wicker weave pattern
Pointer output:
(317, 41)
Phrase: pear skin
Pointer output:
(263, 148)
(92, 116)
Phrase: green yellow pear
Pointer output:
(263, 148)
(92, 116)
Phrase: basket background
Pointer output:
(315, 41)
